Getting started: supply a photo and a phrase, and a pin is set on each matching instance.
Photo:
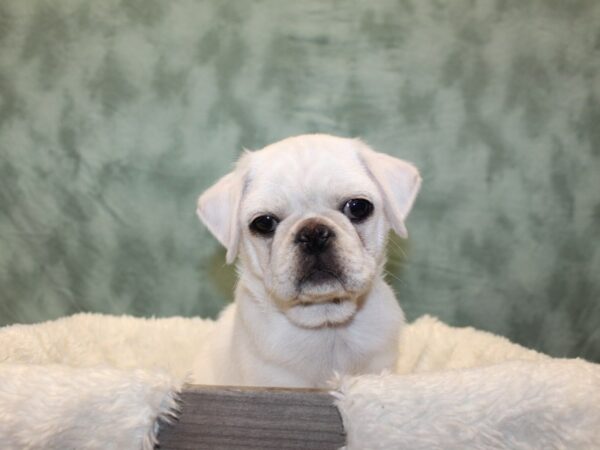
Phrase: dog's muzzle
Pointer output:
(317, 260)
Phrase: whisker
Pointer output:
(398, 247)
(390, 274)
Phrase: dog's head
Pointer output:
(309, 217)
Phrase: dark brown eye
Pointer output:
(357, 209)
(264, 225)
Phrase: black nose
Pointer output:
(314, 237)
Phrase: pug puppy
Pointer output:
(307, 218)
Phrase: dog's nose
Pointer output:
(314, 237)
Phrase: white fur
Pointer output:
(280, 332)
(91, 381)
(429, 345)
(62, 407)
(520, 405)
(99, 382)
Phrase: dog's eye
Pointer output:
(264, 225)
(357, 209)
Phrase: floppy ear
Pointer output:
(398, 181)
(218, 207)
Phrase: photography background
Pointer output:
(115, 115)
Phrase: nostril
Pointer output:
(322, 235)
(322, 232)
(303, 236)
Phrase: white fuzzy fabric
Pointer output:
(430, 345)
(551, 404)
(94, 381)
(61, 407)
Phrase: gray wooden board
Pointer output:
(222, 417)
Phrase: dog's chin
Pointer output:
(332, 313)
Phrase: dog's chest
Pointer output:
(320, 354)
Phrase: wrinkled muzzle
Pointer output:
(319, 260)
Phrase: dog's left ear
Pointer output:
(398, 181)
(218, 207)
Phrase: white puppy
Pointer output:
(308, 218)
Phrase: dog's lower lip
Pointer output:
(334, 301)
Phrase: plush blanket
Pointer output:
(94, 381)
(551, 404)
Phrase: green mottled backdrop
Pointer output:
(115, 114)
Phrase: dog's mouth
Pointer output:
(318, 276)
(325, 292)
(323, 313)
(333, 293)
(332, 301)
(321, 285)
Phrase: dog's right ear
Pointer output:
(218, 208)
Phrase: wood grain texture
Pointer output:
(221, 417)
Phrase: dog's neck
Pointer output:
(263, 336)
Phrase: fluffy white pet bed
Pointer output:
(93, 381)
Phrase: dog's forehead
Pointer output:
(305, 165)
(307, 171)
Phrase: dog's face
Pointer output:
(309, 217)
